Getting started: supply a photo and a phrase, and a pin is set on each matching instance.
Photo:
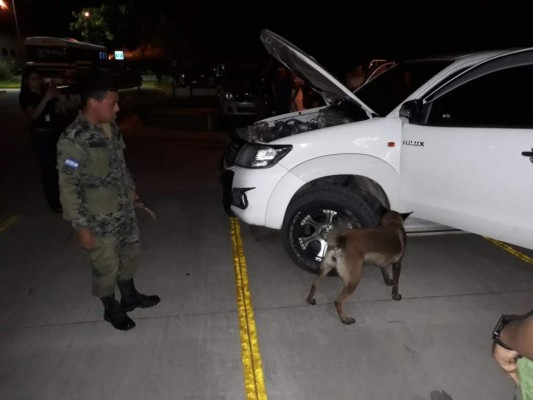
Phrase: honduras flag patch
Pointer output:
(69, 166)
(71, 163)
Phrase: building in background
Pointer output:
(9, 49)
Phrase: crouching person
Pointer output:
(512, 348)
(98, 195)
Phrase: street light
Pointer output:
(4, 6)
(86, 17)
(16, 24)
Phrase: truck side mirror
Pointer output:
(412, 111)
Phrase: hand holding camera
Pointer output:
(52, 90)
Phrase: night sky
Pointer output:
(336, 33)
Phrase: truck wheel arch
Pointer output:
(363, 173)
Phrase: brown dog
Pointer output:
(349, 249)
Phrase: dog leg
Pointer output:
(339, 303)
(386, 277)
(396, 269)
(328, 263)
(311, 296)
(350, 275)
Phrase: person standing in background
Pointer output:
(297, 94)
(41, 104)
(355, 78)
(282, 86)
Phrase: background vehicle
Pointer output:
(242, 93)
(67, 60)
(200, 77)
(449, 138)
(62, 59)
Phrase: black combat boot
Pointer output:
(116, 315)
(132, 299)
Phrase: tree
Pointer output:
(134, 24)
(106, 24)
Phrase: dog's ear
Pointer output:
(405, 215)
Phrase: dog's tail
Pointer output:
(335, 237)
(342, 241)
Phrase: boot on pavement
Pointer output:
(132, 299)
(115, 315)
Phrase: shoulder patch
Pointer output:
(71, 163)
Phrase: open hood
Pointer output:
(307, 68)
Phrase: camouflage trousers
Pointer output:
(115, 257)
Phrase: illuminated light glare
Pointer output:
(266, 154)
(260, 163)
(3, 5)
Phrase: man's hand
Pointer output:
(86, 239)
(52, 91)
(507, 360)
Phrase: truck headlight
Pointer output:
(255, 155)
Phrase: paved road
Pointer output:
(434, 344)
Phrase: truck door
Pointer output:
(469, 164)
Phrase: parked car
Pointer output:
(241, 93)
(449, 138)
(202, 77)
(196, 76)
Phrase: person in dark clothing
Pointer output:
(43, 108)
(282, 86)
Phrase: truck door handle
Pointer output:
(528, 154)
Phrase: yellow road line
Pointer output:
(251, 357)
(511, 250)
(8, 222)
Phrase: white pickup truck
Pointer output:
(449, 138)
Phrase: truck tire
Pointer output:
(313, 213)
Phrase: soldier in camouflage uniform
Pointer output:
(98, 197)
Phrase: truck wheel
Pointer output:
(313, 213)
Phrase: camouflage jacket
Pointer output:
(96, 187)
